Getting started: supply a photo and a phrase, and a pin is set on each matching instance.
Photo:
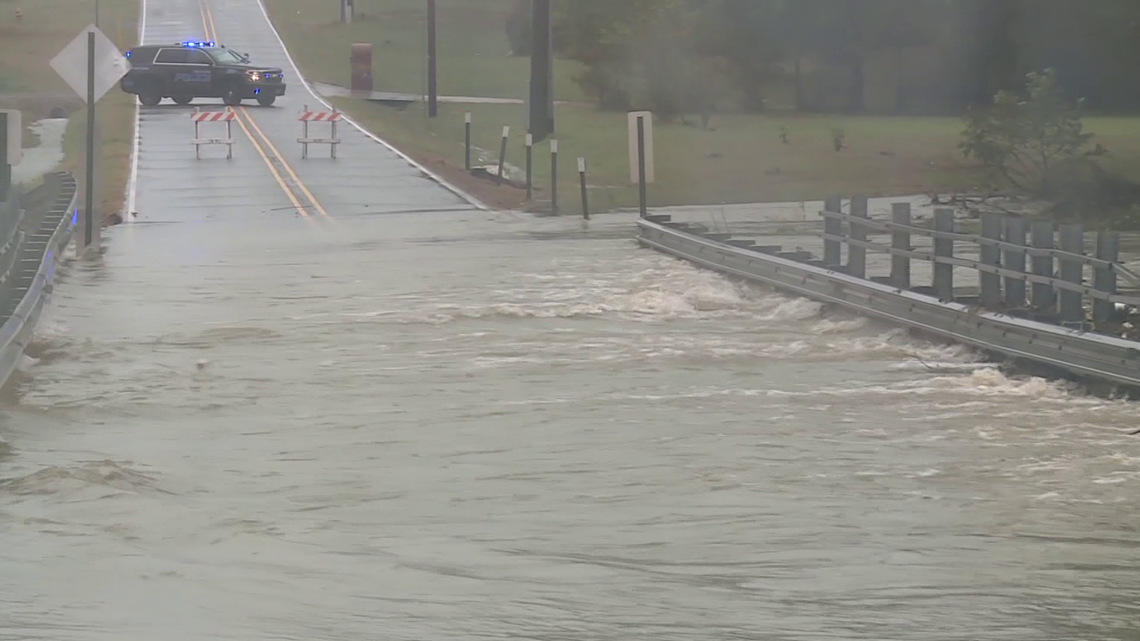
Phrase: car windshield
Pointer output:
(224, 56)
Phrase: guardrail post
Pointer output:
(1104, 278)
(900, 240)
(857, 254)
(944, 248)
(1014, 261)
(991, 255)
(1044, 297)
(832, 249)
(1072, 271)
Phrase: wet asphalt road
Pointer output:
(267, 173)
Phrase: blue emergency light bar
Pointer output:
(197, 43)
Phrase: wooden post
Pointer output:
(944, 248)
(856, 254)
(1014, 261)
(1072, 271)
(1104, 279)
(900, 240)
(832, 249)
(1044, 296)
(991, 255)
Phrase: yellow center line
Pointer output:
(300, 184)
(213, 29)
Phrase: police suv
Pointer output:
(195, 69)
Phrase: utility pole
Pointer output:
(541, 114)
(433, 87)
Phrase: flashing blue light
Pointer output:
(74, 217)
(197, 43)
(128, 53)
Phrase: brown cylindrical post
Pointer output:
(361, 67)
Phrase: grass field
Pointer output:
(28, 83)
(740, 159)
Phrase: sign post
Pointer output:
(641, 155)
(11, 133)
(90, 64)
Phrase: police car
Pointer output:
(195, 69)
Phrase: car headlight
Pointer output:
(254, 75)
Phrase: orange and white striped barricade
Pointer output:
(331, 117)
(227, 117)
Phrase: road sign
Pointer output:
(71, 64)
(15, 135)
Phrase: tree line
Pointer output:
(852, 56)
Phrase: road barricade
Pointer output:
(227, 117)
(331, 117)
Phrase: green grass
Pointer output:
(29, 83)
(740, 159)
(473, 52)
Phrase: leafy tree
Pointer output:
(1027, 138)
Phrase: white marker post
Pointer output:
(554, 176)
(529, 166)
(585, 196)
(467, 141)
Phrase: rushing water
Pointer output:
(480, 425)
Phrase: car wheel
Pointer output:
(266, 100)
(183, 100)
(150, 97)
(231, 97)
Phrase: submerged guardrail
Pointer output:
(35, 232)
(1024, 313)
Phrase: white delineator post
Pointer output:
(331, 117)
(227, 117)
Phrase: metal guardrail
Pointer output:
(44, 232)
(1077, 352)
(982, 241)
(1013, 252)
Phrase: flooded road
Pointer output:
(485, 425)
(278, 408)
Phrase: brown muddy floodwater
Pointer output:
(476, 425)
